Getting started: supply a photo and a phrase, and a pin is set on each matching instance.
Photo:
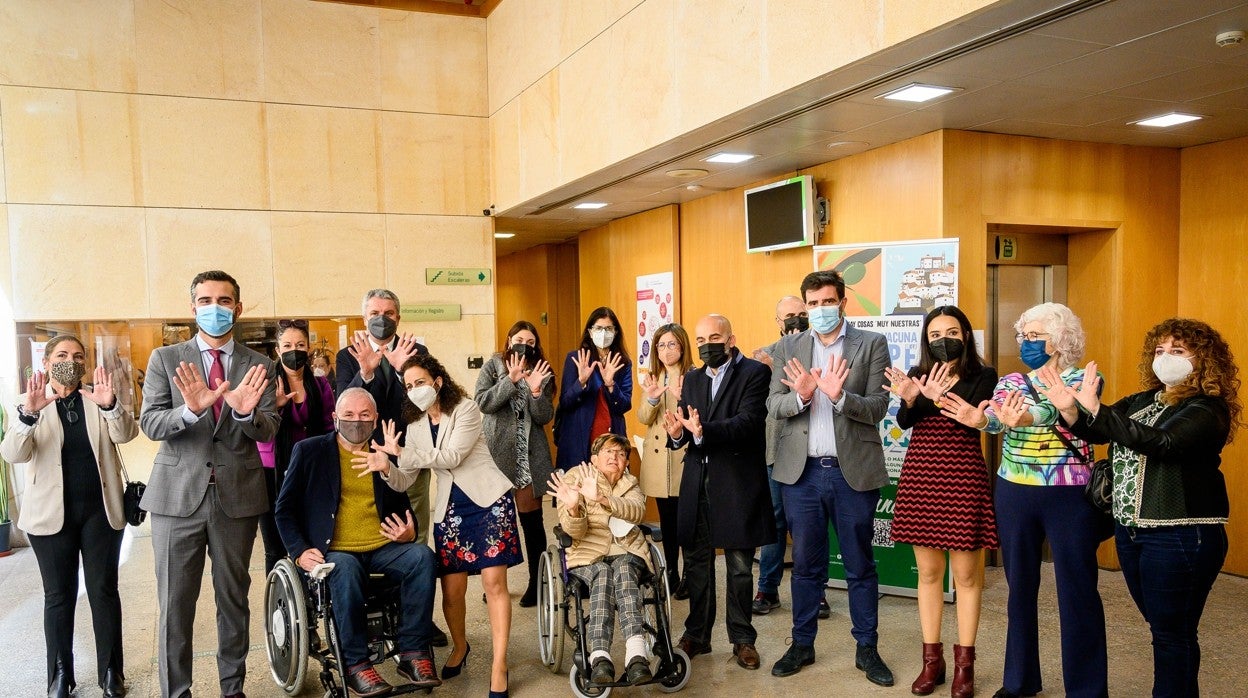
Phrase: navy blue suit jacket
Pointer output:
(308, 503)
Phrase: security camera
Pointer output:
(1230, 38)
(488, 211)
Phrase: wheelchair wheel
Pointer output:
(286, 627)
(582, 688)
(550, 633)
(680, 672)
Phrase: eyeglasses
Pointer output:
(1030, 336)
(297, 324)
(667, 345)
(613, 453)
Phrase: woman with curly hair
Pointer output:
(1169, 497)
(474, 513)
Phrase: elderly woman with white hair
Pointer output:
(1039, 496)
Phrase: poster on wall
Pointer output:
(655, 308)
(889, 287)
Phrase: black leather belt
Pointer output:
(824, 461)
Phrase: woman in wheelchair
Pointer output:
(600, 506)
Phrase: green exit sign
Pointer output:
(458, 276)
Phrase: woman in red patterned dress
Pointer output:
(943, 497)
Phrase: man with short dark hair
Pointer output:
(326, 512)
(723, 491)
(206, 491)
(828, 397)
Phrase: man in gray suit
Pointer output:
(828, 397)
(206, 491)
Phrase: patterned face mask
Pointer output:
(67, 373)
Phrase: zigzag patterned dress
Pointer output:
(943, 495)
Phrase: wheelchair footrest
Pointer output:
(407, 688)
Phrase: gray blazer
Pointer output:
(857, 423)
(180, 475)
(493, 395)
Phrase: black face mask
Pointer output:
(521, 350)
(295, 359)
(946, 349)
(713, 354)
(382, 327)
(797, 323)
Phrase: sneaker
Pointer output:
(418, 668)
(825, 611)
(367, 682)
(764, 603)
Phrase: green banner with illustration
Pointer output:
(889, 287)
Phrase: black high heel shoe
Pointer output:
(450, 672)
(506, 692)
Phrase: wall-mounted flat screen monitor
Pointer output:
(781, 215)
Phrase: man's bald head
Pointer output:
(714, 328)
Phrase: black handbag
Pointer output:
(135, 514)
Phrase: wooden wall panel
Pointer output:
(1212, 260)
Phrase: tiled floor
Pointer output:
(1225, 652)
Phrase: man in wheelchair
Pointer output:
(328, 511)
(600, 506)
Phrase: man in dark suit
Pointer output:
(828, 397)
(372, 362)
(326, 513)
(206, 492)
(724, 501)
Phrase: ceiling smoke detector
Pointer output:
(1231, 38)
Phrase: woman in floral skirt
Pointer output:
(475, 515)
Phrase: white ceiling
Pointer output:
(1077, 70)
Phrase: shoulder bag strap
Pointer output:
(1056, 432)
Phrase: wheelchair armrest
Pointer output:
(564, 540)
(651, 530)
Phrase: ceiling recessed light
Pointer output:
(847, 144)
(1171, 119)
(914, 92)
(590, 205)
(687, 173)
(730, 158)
(504, 236)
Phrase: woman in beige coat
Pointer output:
(661, 468)
(68, 436)
(600, 506)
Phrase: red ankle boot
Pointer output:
(933, 673)
(963, 672)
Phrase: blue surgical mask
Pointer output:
(1032, 353)
(214, 320)
(824, 318)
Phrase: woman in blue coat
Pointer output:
(597, 389)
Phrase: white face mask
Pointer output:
(319, 372)
(1171, 369)
(602, 337)
(422, 396)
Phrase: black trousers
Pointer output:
(274, 550)
(86, 534)
(700, 580)
(668, 508)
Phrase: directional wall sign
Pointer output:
(450, 276)
(445, 312)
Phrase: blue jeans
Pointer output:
(771, 558)
(411, 565)
(819, 497)
(1169, 572)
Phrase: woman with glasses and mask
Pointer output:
(1169, 497)
(1039, 497)
(68, 434)
(944, 497)
(597, 389)
(306, 405)
(660, 468)
(516, 394)
(322, 363)
(474, 511)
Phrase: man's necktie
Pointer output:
(216, 376)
